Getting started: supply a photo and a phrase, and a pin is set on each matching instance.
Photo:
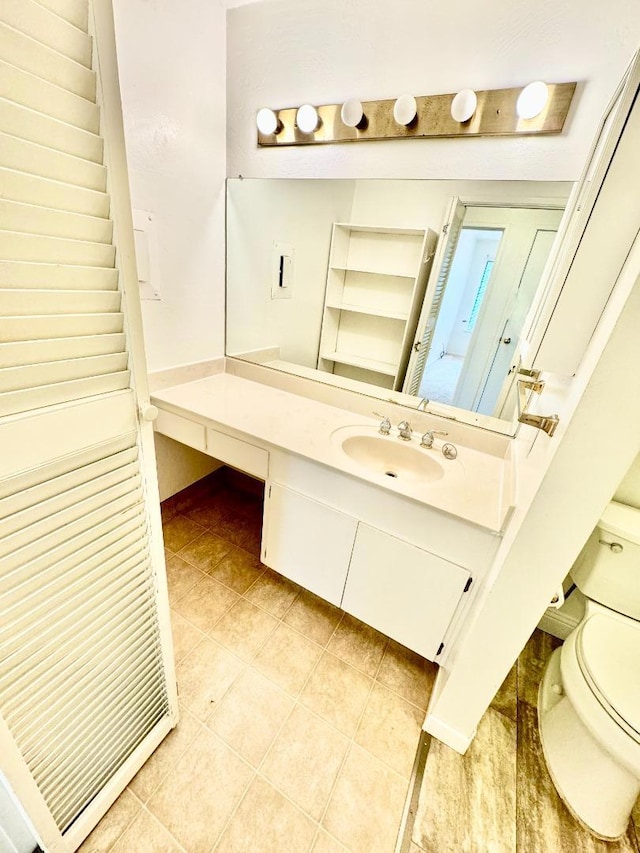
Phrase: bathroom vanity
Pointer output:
(402, 553)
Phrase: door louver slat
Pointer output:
(37, 94)
(42, 129)
(29, 55)
(18, 216)
(34, 159)
(48, 28)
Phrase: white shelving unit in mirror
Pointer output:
(376, 282)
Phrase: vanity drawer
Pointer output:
(239, 454)
(181, 429)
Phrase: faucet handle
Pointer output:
(385, 423)
(405, 430)
(427, 438)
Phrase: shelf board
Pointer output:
(371, 312)
(359, 361)
(344, 268)
(382, 229)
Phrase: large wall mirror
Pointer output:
(415, 292)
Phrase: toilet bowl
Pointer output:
(589, 698)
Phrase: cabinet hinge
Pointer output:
(269, 491)
(445, 228)
(467, 586)
(440, 648)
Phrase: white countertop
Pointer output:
(477, 487)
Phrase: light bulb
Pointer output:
(405, 109)
(352, 113)
(267, 121)
(532, 100)
(307, 118)
(463, 106)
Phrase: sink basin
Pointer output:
(390, 456)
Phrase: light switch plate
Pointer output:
(282, 271)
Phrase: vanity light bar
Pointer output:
(496, 113)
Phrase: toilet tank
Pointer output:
(608, 567)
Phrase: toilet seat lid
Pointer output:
(608, 650)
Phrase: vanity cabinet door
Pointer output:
(308, 542)
(401, 590)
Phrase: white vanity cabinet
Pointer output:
(403, 591)
(307, 541)
(400, 589)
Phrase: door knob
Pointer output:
(506, 340)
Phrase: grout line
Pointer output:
(166, 829)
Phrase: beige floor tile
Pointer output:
(543, 821)
(468, 802)
(506, 699)
(168, 510)
(251, 715)
(337, 692)
(268, 823)
(242, 524)
(210, 510)
(206, 551)
(273, 592)
(313, 617)
(358, 644)
(407, 673)
(197, 798)
(287, 658)
(390, 729)
(366, 806)
(205, 603)
(179, 531)
(112, 825)
(238, 570)
(244, 629)
(146, 835)
(531, 664)
(324, 843)
(181, 577)
(185, 636)
(305, 759)
(151, 774)
(204, 676)
(253, 541)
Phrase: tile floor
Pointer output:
(499, 797)
(299, 725)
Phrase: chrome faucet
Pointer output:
(385, 424)
(427, 438)
(404, 429)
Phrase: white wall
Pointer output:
(628, 492)
(284, 53)
(298, 213)
(172, 78)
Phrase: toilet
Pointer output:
(589, 697)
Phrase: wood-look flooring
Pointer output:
(498, 797)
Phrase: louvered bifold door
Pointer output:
(84, 669)
(61, 323)
(434, 295)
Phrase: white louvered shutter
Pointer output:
(86, 680)
(434, 295)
